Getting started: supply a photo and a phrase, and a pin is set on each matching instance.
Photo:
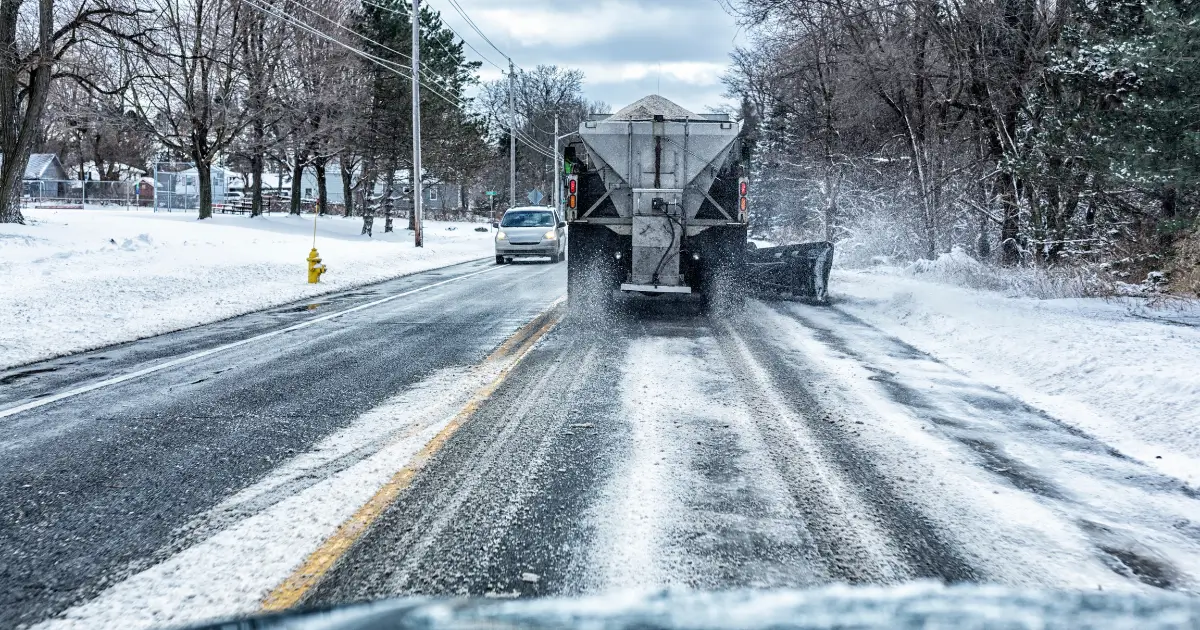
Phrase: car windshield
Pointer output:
(528, 218)
(612, 298)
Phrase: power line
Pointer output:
(424, 73)
(385, 63)
(463, 12)
(437, 40)
(460, 37)
(391, 66)
(524, 137)
(347, 28)
(271, 11)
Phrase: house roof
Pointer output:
(38, 164)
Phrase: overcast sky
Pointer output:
(623, 46)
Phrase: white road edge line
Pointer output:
(12, 411)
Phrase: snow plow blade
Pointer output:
(791, 271)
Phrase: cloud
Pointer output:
(568, 25)
(626, 48)
(692, 72)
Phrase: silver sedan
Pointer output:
(531, 231)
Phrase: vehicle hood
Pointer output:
(919, 605)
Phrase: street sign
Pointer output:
(536, 196)
(491, 193)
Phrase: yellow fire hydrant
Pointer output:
(315, 267)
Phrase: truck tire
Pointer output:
(723, 270)
(592, 274)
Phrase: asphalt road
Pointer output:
(683, 451)
(792, 446)
(517, 505)
(98, 486)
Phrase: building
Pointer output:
(45, 178)
(44, 166)
(437, 195)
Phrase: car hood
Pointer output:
(919, 605)
(526, 234)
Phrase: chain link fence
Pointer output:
(176, 186)
(74, 192)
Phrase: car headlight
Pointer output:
(550, 236)
(500, 236)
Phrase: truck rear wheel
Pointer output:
(592, 272)
(722, 270)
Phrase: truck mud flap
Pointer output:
(798, 271)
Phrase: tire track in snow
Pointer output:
(702, 499)
(1078, 507)
(868, 535)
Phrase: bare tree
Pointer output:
(187, 84)
(324, 72)
(264, 43)
(84, 125)
(540, 95)
(34, 38)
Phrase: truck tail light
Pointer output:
(572, 196)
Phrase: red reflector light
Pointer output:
(571, 186)
(744, 188)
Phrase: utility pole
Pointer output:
(557, 171)
(418, 237)
(512, 138)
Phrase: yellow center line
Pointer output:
(319, 562)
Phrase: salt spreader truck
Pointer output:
(657, 202)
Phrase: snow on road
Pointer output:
(1117, 370)
(772, 453)
(1032, 501)
(799, 446)
(82, 279)
(695, 486)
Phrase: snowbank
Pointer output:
(959, 268)
(1116, 369)
(80, 279)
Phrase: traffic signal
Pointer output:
(572, 195)
(743, 200)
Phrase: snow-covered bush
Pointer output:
(959, 268)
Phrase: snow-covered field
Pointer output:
(1118, 369)
(80, 279)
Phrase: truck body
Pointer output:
(655, 209)
(657, 206)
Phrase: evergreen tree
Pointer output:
(452, 144)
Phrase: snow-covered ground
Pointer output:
(1118, 369)
(80, 279)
